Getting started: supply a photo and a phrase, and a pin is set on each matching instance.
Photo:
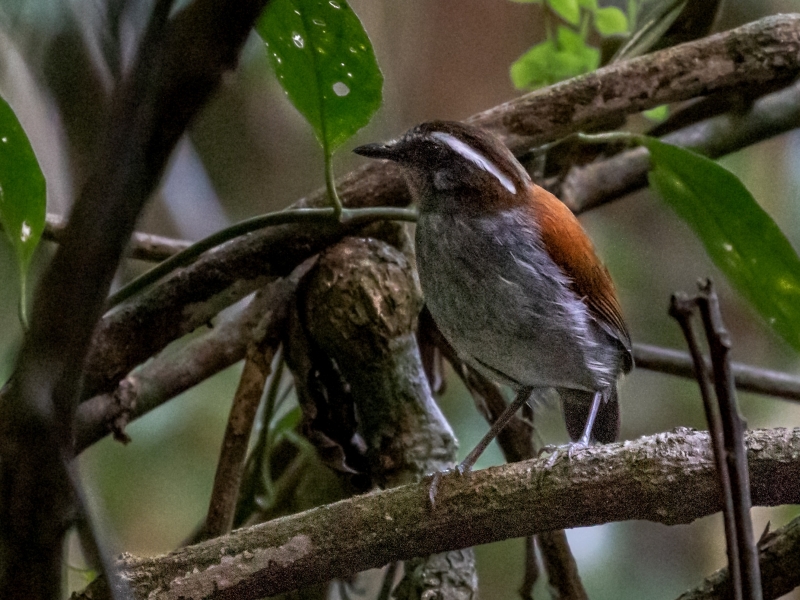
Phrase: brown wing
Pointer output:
(572, 250)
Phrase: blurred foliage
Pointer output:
(664, 23)
(567, 52)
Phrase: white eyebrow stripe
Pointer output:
(476, 158)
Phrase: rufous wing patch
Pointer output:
(572, 250)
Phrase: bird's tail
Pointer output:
(577, 404)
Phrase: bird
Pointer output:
(511, 278)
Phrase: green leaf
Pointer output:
(610, 21)
(22, 192)
(553, 61)
(590, 5)
(657, 114)
(739, 236)
(325, 63)
(567, 10)
(288, 421)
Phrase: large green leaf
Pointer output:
(325, 63)
(739, 236)
(22, 189)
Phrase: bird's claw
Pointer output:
(557, 451)
(433, 488)
(460, 469)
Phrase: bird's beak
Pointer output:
(388, 151)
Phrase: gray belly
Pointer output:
(503, 304)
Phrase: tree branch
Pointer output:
(763, 51)
(169, 374)
(747, 378)
(142, 246)
(752, 54)
(589, 186)
(667, 478)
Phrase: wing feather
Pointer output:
(572, 250)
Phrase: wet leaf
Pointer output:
(22, 190)
(325, 63)
(739, 236)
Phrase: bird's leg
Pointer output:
(585, 438)
(466, 465)
(522, 397)
(587, 431)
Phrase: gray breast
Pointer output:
(503, 304)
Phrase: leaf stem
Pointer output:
(330, 184)
(609, 137)
(23, 298)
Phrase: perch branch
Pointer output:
(667, 478)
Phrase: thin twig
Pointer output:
(230, 466)
(257, 485)
(747, 378)
(388, 581)
(562, 570)
(349, 217)
(531, 569)
(681, 309)
(733, 434)
(143, 246)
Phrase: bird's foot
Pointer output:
(436, 478)
(557, 451)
